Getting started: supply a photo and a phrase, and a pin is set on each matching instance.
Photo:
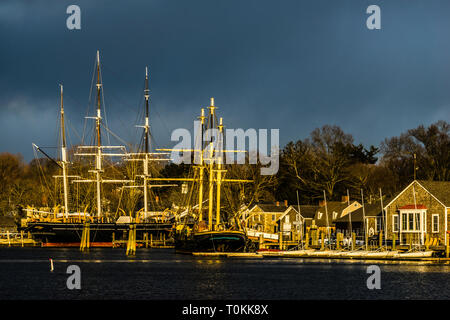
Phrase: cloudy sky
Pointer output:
(294, 65)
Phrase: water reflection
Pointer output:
(162, 274)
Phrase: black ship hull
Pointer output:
(212, 241)
(71, 233)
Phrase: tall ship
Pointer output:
(207, 223)
(102, 166)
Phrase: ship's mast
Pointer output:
(216, 172)
(211, 165)
(146, 141)
(98, 166)
(64, 157)
(201, 167)
(219, 170)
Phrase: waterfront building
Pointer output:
(419, 213)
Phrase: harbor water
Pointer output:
(162, 274)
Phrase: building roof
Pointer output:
(332, 206)
(271, 207)
(439, 189)
(308, 211)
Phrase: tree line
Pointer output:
(327, 160)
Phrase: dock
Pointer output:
(228, 254)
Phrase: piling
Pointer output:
(380, 244)
(113, 238)
(447, 248)
(366, 241)
(393, 241)
(85, 237)
(410, 241)
(151, 239)
(353, 240)
(314, 237)
(307, 240)
(21, 236)
(51, 265)
(146, 239)
(322, 241)
(9, 240)
(427, 241)
(338, 241)
(261, 241)
(280, 240)
(131, 244)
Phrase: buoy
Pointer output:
(51, 265)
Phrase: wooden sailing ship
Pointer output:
(61, 226)
(200, 228)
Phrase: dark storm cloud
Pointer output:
(293, 65)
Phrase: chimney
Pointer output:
(285, 203)
(321, 203)
(345, 199)
(278, 203)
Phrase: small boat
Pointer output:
(381, 254)
(417, 254)
(327, 253)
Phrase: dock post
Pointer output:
(9, 240)
(380, 239)
(322, 240)
(131, 244)
(261, 241)
(427, 241)
(113, 238)
(85, 241)
(447, 248)
(280, 240)
(307, 240)
(21, 236)
(146, 239)
(164, 239)
(151, 239)
(366, 241)
(338, 241)
(393, 241)
(410, 241)
(353, 240)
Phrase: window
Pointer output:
(286, 219)
(320, 215)
(273, 217)
(404, 221)
(378, 224)
(435, 223)
(417, 221)
(395, 223)
(411, 221)
(334, 215)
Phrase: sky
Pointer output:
(290, 65)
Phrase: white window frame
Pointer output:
(412, 213)
(394, 228)
(432, 223)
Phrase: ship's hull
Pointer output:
(212, 241)
(60, 234)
